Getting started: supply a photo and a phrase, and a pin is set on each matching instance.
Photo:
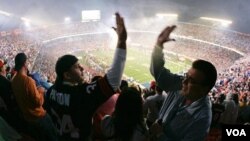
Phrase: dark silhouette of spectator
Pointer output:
(152, 105)
(106, 108)
(5, 89)
(8, 105)
(126, 123)
(215, 132)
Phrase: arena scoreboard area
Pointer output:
(91, 15)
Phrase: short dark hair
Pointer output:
(64, 64)
(209, 71)
(124, 84)
(20, 60)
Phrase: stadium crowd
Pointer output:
(230, 95)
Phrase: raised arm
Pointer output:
(114, 74)
(165, 79)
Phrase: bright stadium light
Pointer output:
(27, 23)
(25, 19)
(162, 15)
(222, 21)
(225, 24)
(67, 19)
(5, 13)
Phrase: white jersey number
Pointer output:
(65, 125)
(90, 88)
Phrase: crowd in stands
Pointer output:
(231, 97)
(216, 36)
(231, 92)
(10, 45)
(47, 56)
(55, 31)
(221, 36)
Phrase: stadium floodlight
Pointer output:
(27, 23)
(67, 19)
(25, 19)
(5, 13)
(222, 21)
(162, 15)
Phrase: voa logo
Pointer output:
(236, 132)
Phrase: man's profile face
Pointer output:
(193, 84)
(76, 73)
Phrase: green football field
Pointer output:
(138, 62)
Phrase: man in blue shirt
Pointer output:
(186, 112)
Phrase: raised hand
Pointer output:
(164, 36)
(120, 28)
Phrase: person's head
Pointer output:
(221, 98)
(68, 69)
(8, 69)
(2, 67)
(199, 79)
(129, 100)
(21, 62)
(124, 84)
(235, 98)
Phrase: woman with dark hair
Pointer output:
(126, 123)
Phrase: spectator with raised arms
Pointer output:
(71, 102)
(186, 112)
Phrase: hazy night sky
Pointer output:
(54, 11)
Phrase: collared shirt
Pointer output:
(185, 122)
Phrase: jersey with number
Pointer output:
(72, 107)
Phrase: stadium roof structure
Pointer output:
(54, 11)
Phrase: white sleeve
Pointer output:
(114, 74)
